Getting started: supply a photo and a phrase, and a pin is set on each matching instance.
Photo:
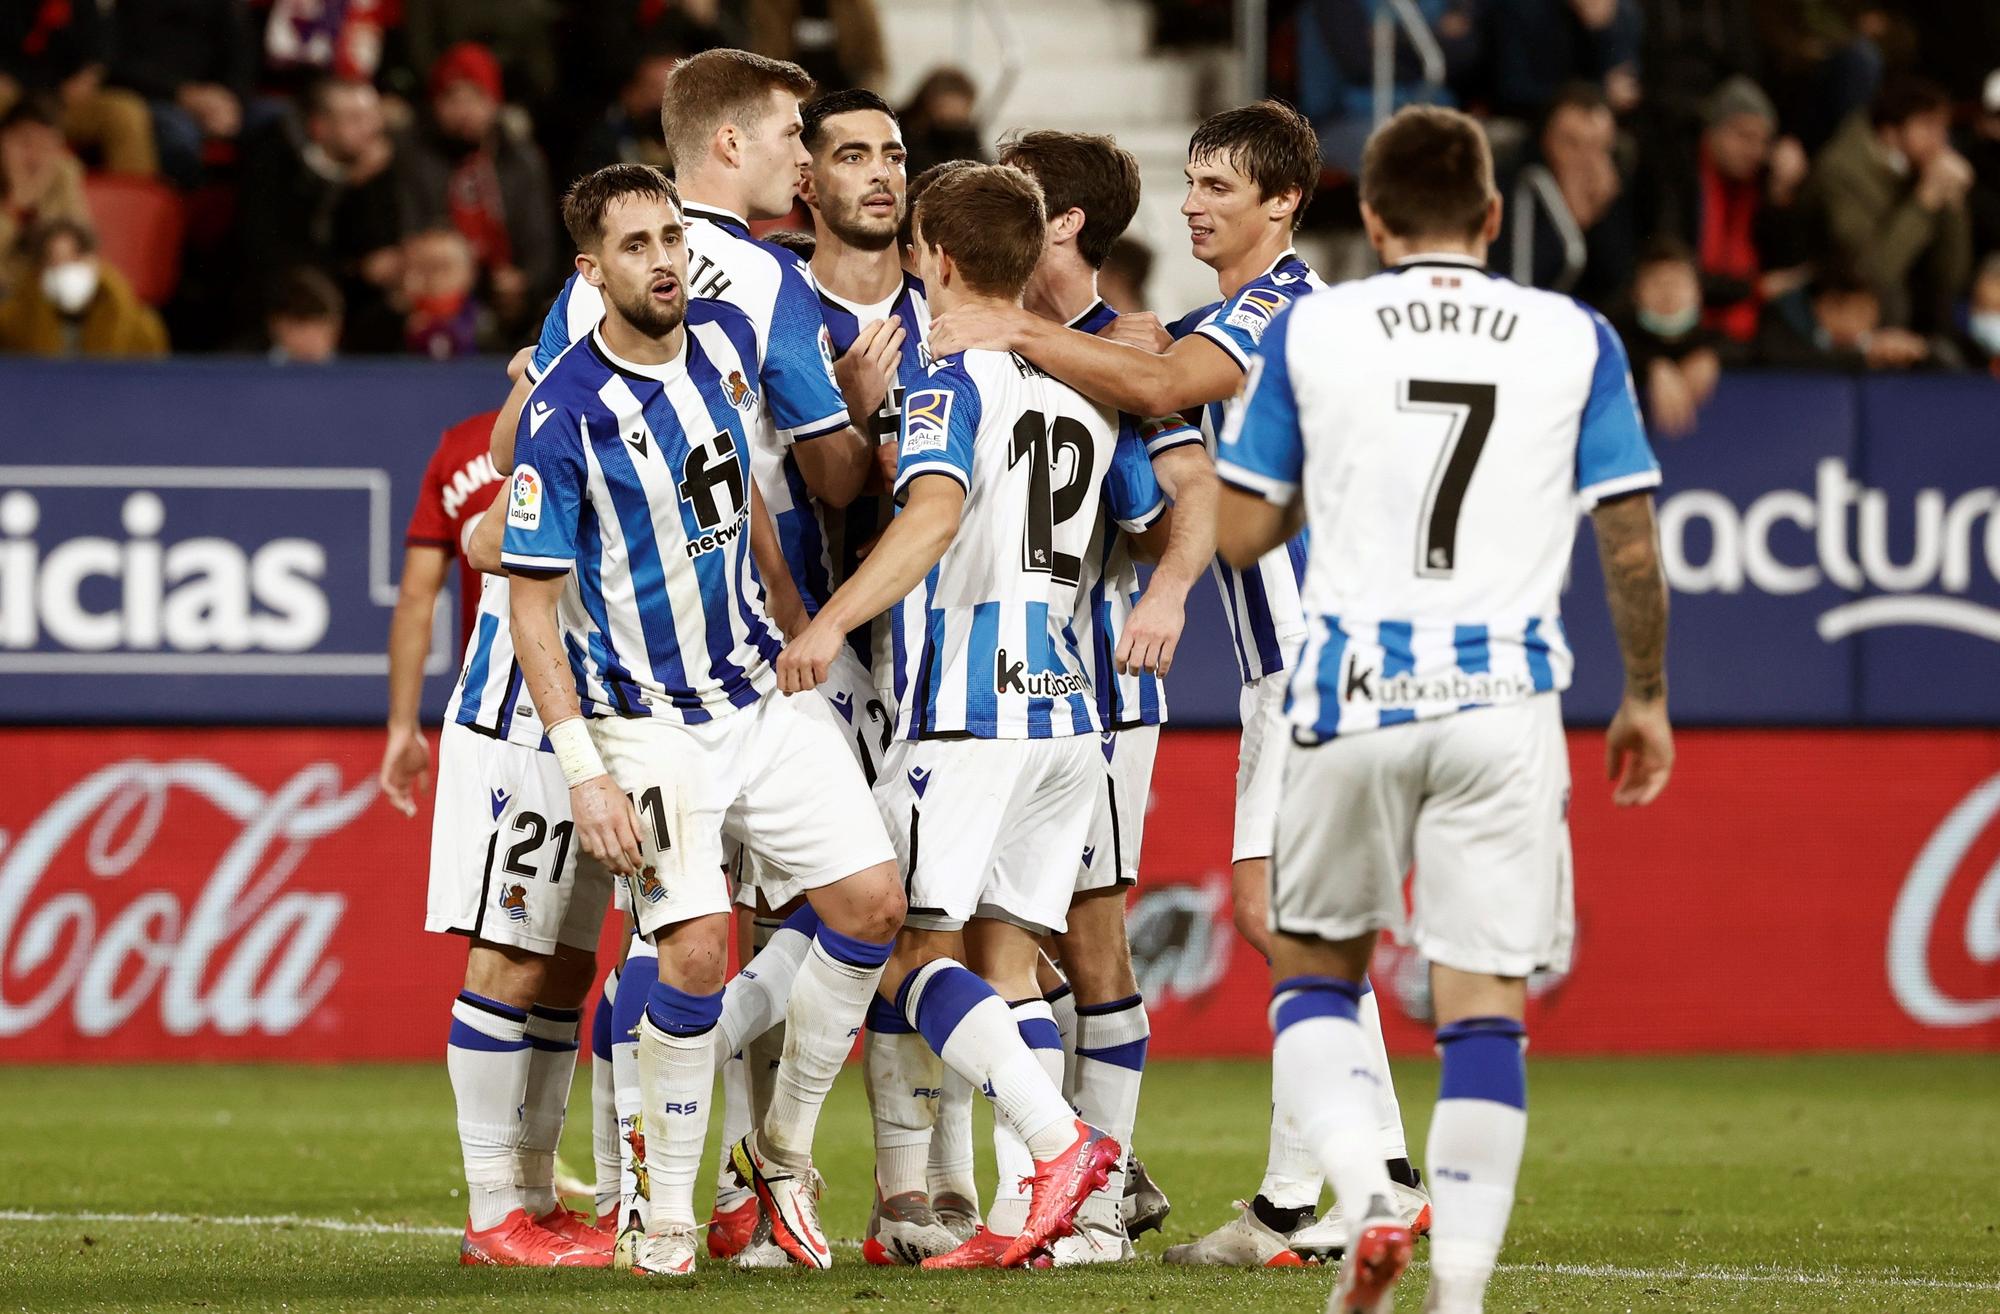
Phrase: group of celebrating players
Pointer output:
(811, 596)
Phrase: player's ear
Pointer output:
(1371, 223)
(1489, 232)
(727, 145)
(807, 191)
(1065, 226)
(586, 265)
(1284, 204)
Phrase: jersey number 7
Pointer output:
(1470, 408)
(1042, 445)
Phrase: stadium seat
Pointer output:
(139, 226)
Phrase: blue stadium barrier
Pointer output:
(219, 542)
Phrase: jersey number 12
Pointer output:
(1042, 444)
(1470, 408)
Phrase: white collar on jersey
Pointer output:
(1096, 304)
(670, 372)
(1289, 253)
(865, 311)
(715, 214)
(1441, 258)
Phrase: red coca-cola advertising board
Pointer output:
(246, 894)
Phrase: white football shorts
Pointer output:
(776, 777)
(867, 719)
(1112, 856)
(1479, 800)
(991, 827)
(505, 863)
(1260, 765)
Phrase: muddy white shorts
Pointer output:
(1478, 800)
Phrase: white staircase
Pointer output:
(1084, 65)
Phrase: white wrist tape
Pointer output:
(575, 754)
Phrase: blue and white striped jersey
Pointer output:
(1262, 603)
(986, 646)
(794, 360)
(1111, 578)
(491, 696)
(637, 478)
(862, 519)
(1442, 425)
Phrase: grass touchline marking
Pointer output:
(369, 1227)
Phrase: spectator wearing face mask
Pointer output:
(1891, 193)
(77, 305)
(1674, 358)
(466, 169)
(1982, 318)
(40, 181)
(305, 319)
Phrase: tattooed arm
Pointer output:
(1639, 748)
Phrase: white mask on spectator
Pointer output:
(1986, 330)
(1678, 324)
(70, 286)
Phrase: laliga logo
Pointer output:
(1947, 542)
(270, 942)
(1915, 918)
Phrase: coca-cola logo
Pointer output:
(243, 953)
(1914, 935)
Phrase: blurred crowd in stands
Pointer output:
(1799, 183)
(1805, 184)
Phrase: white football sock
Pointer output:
(1111, 1044)
(1474, 1156)
(971, 1029)
(1324, 1080)
(487, 1057)
(754, 1000)
(677, 1074)
(552, 1040)
(1291, 1170)
(1062, 1006)
(903, 1080)
(1035, 1021)
(604, 1100)
(762, 1050)
(730, 1189)
(950, 1169)
(821, 1021)
(1389, 1111)
(635, 981)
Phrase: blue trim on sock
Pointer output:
(492, 1006)
(805, 921)
(1482, 1059)
(679, 1013)
(635, 984)
(1130, 1055)
(947, 998)
(1039, 1033)
(1116, 1005)
(1060, 992)
(547, 1014)
(1299, 998)
(601, 1027)
(470, 1037)
(553, 1046)
(885, 1020)
(851, 950)
(1367, 986)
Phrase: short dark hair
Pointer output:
(1903, 97)
(1577, 95)
(921, 184)
(318, 94)
(1428, 172)
(34, 107)
(1665, 249)
(1268, 142)
(63, 226)
(802, 245)
(306, 293)
(817, 112)
(716, 87)
(1132, 258)
(1085, 171)
(990, 218)
(1841, 278)
(584, 204)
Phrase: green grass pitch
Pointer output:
(1689, 1184)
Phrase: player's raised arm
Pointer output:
(1260, 458)
(1193, 372)
(814, 417)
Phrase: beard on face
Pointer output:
(643, 313)
(847, 221)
